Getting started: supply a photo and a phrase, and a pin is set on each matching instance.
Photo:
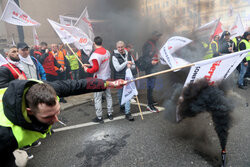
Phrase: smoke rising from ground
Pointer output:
(203, 105)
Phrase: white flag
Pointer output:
(129, 90)
(3, 60)
(237, 29)
(217, 68)
(84, 24)
(13, 41)
(71, 34)
(35, 36)
(207, 30)
(14, 15)
(172, 45)
(68, 21)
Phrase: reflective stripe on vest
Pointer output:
(247, 47)
(23, 136)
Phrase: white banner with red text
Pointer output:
(215, 69)
(71, 34)
(14, 15)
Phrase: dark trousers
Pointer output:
(51, 78)
(61, 75)
(150, 88)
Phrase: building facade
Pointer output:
(186, 15)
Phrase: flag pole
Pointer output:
(74, 54)
(139, 106)
(13, 69)
(162, 72)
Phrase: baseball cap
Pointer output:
(227, 33)
(22, 45)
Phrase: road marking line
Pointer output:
(105, 121)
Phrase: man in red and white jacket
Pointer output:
(99, 66)
(7, 73)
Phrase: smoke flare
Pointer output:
(201, 97)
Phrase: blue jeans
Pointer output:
(150, 88)
(127, 104)
(243, 70)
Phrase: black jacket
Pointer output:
(224, 45)
(149, 50)
(5, 77)
(12, 106)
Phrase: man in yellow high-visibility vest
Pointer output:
(28, 108)
(244, 45)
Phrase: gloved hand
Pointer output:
(116, 84)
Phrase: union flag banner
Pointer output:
(217, 68)
(14, 15)
(71, 34)
(85, 25)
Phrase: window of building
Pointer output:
(176, 2)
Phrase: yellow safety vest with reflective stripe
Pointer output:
(247, 47)
(23, 136)
(210, 53)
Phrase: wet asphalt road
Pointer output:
(152, 142)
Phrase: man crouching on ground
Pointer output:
(30, 107)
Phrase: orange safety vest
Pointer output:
(64, 52)
(79, 54)
(60, 59)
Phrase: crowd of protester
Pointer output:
(224, 45)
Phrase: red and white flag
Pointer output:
(171, 46)
(14, 15)
(207, 30)
(68, 21)
(85, 25)
(215, 69)
(218, 31)
(237, 29)
(71, 34)
(35, 36)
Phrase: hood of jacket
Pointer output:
(14, 106)
(245, 35)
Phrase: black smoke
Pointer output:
(201, 97)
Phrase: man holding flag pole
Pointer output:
(120, 61)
